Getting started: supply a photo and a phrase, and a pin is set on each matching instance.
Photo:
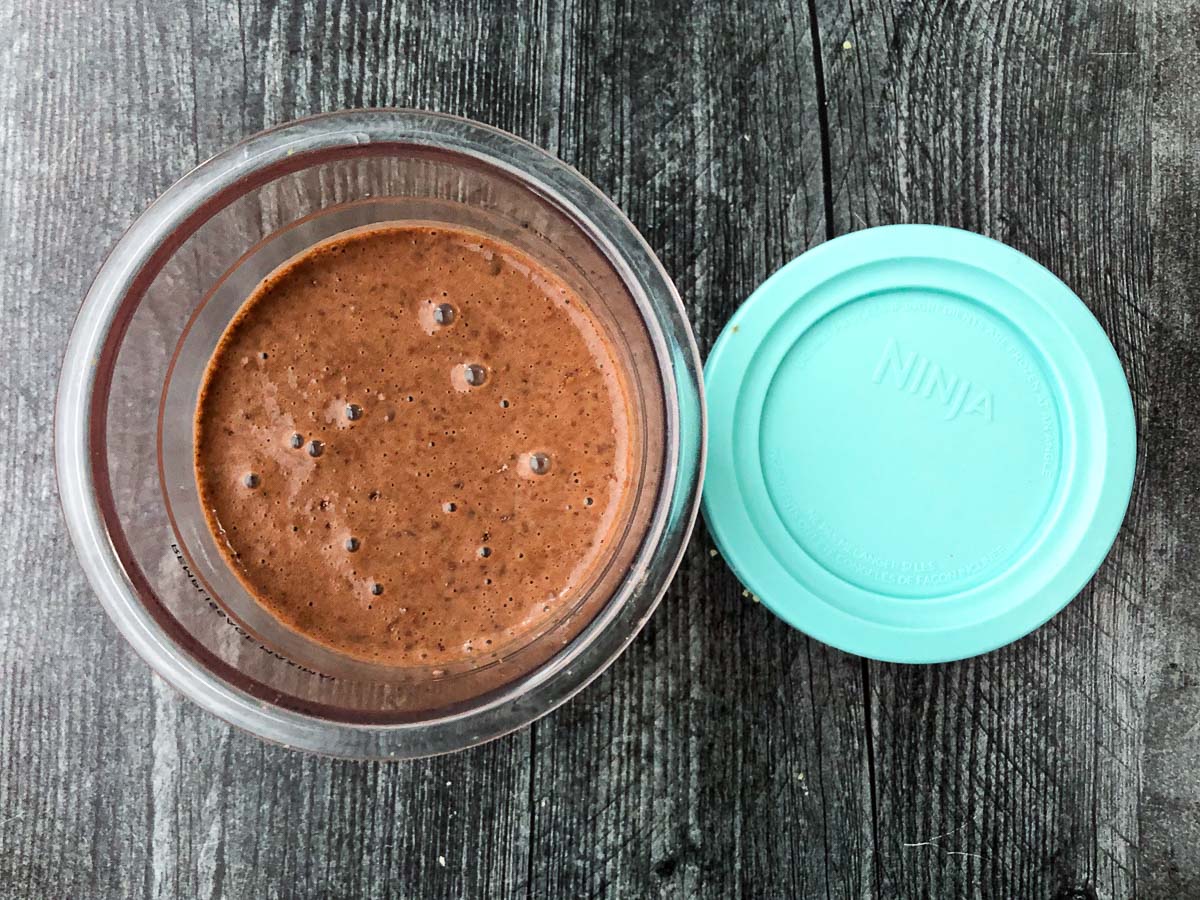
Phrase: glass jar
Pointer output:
(149, 324)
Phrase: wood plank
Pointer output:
(76, 709)
(1169, 813)
(721, 756)
(1015, 774)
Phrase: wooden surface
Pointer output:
(723, 755)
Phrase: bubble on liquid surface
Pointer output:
(297, 441)
(377, 589)
(449, 506)
(435, 317)
(485, 552)
(316, 448)
(353, 412)
(468, 376)
(539, 463)
(251, 480)
(352, 544)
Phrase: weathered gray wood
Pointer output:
(1169, 812)
(724, 754)
(1016, 774)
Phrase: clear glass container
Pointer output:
(132, 370)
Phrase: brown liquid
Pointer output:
(422, 533)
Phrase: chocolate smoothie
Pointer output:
(414, 445)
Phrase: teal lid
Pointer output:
(921, 443)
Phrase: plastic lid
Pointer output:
(921, 443)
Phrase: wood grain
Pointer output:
(1169, 809)
(724, 755)
(1013, 774)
